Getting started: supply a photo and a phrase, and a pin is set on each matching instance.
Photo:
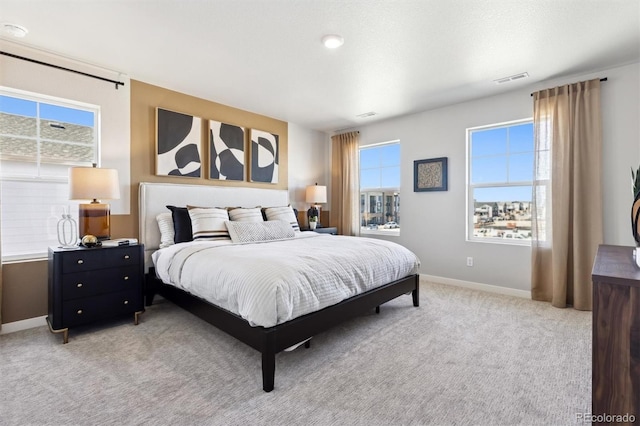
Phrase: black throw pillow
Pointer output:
(181, 224)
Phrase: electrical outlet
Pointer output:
(469, 261)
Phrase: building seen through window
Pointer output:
(500, 182)
(380, 188)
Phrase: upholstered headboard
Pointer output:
(154, 197)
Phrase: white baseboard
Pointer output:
(477, 286)
(12, 327)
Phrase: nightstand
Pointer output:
(94, 284)
(328, 230)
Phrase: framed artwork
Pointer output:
(264, 156)
(430, 175)
(226, 151)
(178, 147)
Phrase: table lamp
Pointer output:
(316, 194)
(92, 183)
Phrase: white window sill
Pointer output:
(36, 257)
(504, 241)
(385, 232)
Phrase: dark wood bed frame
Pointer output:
(270, 341)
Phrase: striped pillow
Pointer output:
(283, 213)
(208, 224)
(240, 214)
(165, 223)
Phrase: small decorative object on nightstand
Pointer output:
(94, 284)
(67, 230)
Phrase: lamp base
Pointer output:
(95, 219)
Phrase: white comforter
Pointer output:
(273, 282)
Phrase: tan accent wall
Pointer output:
(24, 290)
(25, 284)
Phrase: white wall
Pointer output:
(433, 223)
(308, 163)
(115, 105)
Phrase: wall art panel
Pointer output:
(226, 151)
(178, 147)
(264, 156)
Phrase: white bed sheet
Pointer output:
(270, 283)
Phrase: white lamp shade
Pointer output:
(91, 183)
(316, 194)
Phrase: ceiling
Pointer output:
(399, 56)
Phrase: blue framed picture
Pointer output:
(430, 175)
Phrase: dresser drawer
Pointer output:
(90, 259)
(89, 283)
(89, 309)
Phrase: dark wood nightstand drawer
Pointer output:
(88, 309)
(88, 283)
(91, 259)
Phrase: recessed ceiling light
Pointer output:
(367, 114)
(332, 41)
(14, 30)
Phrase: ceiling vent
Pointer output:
(511, 78)
(366, 114)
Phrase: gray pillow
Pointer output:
(252, 232)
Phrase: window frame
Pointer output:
(382, 232)
(41, 176)
(470, 187)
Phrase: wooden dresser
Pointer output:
(616, 333)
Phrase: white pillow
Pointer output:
(208, 224)
(167, 233)
(246, 215)
(283, 213)
(251, 232)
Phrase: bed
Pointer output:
(301, 301)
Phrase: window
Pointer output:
(380, 188)
(40, 138)
(500, 176)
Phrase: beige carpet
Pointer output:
(462, 357)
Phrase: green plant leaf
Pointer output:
(635, 181)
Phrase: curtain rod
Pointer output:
(117, 83)
(602, 79)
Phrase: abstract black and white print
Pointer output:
(226, 151)
(178, 143)
(264, 156)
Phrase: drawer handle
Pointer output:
(126, 256)
(79, 311)
(79, 285)
(126, 278)
(126, 302)
(80, 261)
